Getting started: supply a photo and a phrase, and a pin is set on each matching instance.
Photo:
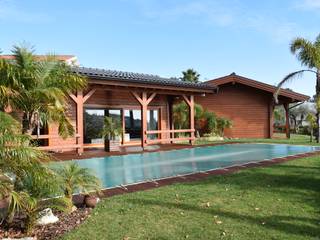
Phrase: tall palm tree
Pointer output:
(308, 53)
(190, 75)
(38, 89)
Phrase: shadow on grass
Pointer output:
(260, 178)
(275, 222)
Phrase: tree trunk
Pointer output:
(26, 124)
(317, 99)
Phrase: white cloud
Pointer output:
(206, 11)
(11, 12)
(222, 14)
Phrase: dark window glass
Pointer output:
(132, 125)
(93, 125)
(153, 122)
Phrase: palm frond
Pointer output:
(290, 77)
(306, 51)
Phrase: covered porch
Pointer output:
(143, 104)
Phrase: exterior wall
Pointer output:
(53, 128)
(109, 99)
(247, 107)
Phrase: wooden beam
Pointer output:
(170, 131)
(151, 98)
(73, 97)
(89, 94)
(151, 87)
(186, 99)
(286, 108)
(136, 95)
(153, 141)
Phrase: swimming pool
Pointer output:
(133, 168)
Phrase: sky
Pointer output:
(165, 37)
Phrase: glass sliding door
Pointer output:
(132, 125)
(153, 122)
(93, 125)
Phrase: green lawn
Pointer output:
(278, 138)
(277, 202)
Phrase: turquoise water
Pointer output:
(133, 168)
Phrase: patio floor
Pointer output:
(99, 152)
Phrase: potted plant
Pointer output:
(73, 178)
(111, 132)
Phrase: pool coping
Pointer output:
(190, 177)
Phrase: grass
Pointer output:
(277, 202)
(278, 138)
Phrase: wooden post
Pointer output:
(80, 99)
(190, 102)
(80, 121)
(271, 118)
(123, 122)
(170, 117)
(144, 101)
(144, 111)
(286, 108)
(191, 109)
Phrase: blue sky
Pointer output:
(164, 37)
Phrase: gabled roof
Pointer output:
(105, 75)
(234, 78)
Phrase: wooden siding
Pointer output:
(53, 128)
(247, 107)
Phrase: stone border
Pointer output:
(194, 176)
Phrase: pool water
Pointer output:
(133, 168)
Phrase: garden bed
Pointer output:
(66, 223)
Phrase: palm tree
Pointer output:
(20, 162)
(312, 124)
(74, 178)
(190, 75)
(38, 89)
(308, 53)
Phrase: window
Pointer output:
(153, 122)
(132, 124)
(93, 125)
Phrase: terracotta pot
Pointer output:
(90, 201)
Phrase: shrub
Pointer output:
(73, 178)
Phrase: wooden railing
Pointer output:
(64, 146)
(171, 134)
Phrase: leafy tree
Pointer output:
(311, 119)
(205, 121)
(222, 124)
(190, 75)
(308, 53)
(38, 89)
